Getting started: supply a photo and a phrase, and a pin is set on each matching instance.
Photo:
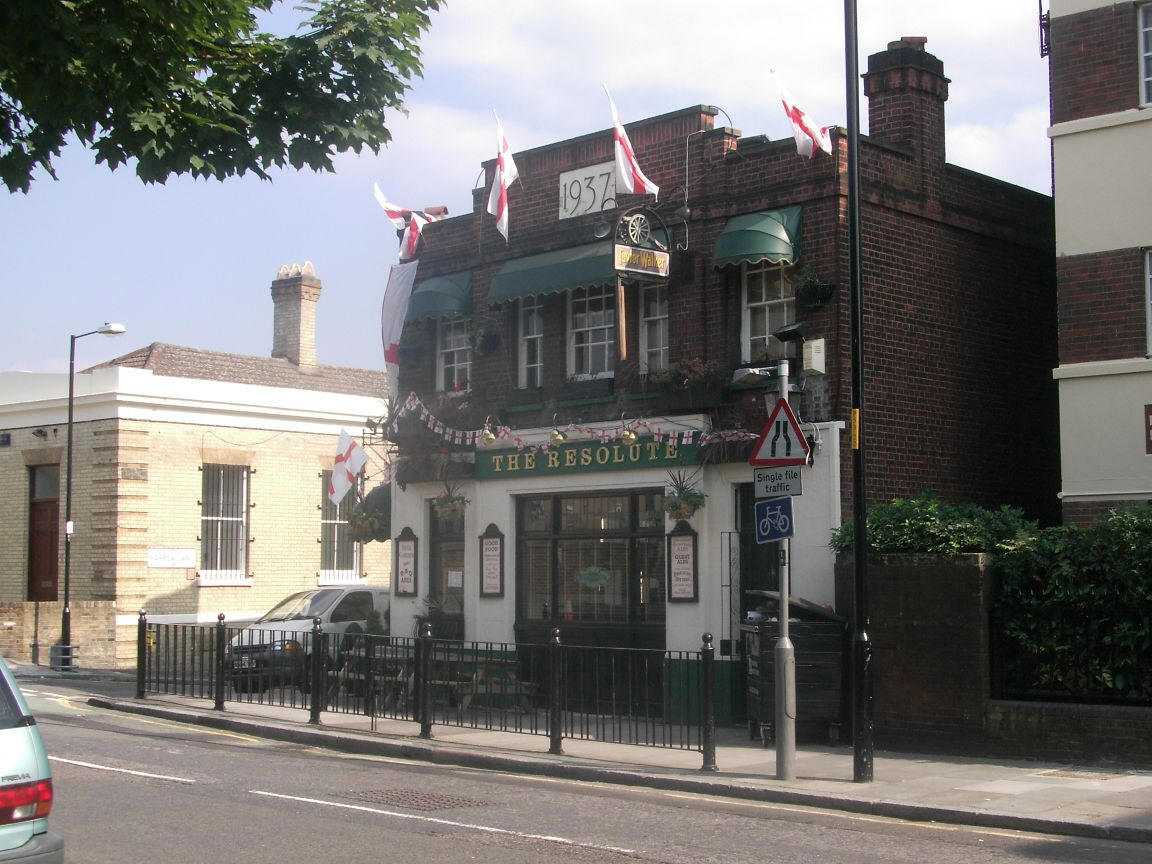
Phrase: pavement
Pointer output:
(1102, 801)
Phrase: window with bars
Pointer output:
(339, 554)
(591, 559)
(1145, 27)
(224, 524)
(531, 342)
(453, 356)
(592, 332)
(769, 303)
(653, 329)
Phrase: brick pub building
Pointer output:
(563, 358)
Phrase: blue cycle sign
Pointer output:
(774, 519)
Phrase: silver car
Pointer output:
(25, 783)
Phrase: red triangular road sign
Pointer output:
(782, 442)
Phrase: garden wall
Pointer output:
(929, 625)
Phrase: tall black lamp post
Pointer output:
(62, 655)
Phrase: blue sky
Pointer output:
(190, 262)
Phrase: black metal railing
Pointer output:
(646, 697)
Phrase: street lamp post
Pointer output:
(64, 655)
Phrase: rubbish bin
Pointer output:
(819, 641)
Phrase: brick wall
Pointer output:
(929, 626)
(929, 632)
(1085, 513)
(1093, 64)
(1070, 733)
(36, 626)
(1102, 306)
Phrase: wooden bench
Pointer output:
(494, 679)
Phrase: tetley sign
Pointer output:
(583, 458)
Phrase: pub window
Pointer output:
(531, 342)
(224, 524)
(592, 332)
(769, 303)
(591, 559)
(653, 329)
(453, 356)
(339, 554)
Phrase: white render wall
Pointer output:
(1103, 182)
(1102, 441)
(817, 513)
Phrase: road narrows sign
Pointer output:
(782, 442)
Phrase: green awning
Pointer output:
(771, 235)
(550, 272)
(441, 297)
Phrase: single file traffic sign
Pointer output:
(782, 442)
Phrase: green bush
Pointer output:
(1075, 609)
(929, 525)
(1074, 614)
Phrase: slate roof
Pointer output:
(177, 361)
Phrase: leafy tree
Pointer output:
(194, 87)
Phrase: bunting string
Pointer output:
(471, 437)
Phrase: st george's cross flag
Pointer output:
(350, 458)
(629, 177)
(808, 135)
(506, 175)
(393, 311)
(408, 220)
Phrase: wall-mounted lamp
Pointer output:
(40, 433)
(626, 434)
(602, 227)
(488, 435)
(557, 435)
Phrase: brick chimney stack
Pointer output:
(906, 91)
(295, 291)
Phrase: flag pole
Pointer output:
(862, 727)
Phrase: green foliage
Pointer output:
(929, 525)
(376, 625)
(371, 519)
(1075, 609)
(187, 87)
(682, 498)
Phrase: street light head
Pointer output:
(111, 328)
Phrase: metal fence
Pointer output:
(645, 697)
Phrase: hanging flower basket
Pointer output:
(682, 499)
(449, 506)
(683, 506)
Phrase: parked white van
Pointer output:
(276, 647)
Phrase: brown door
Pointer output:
(43, 549)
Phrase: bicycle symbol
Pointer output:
(775, 521)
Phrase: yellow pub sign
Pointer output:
(583, 457)
(632, 259)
